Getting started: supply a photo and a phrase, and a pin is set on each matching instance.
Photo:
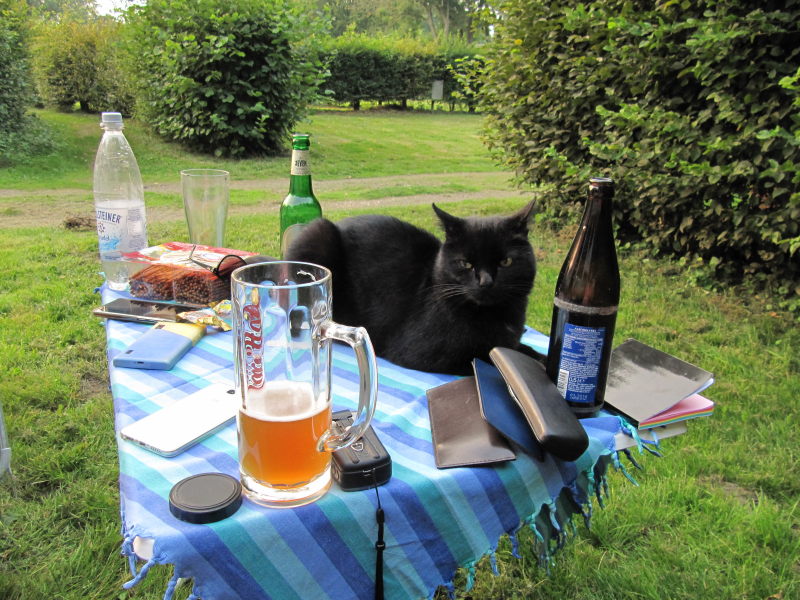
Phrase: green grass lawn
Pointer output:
(717, 517)
(344, 144)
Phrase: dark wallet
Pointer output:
(461, 437)
(554, 425)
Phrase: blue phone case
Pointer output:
(160, 347)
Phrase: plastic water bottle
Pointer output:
(118, 201)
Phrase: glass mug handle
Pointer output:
(358, 339)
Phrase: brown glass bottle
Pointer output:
(585, 306)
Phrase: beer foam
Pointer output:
(283, 401)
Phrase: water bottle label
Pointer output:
(300, 163)
(120, 229)
(580, 363)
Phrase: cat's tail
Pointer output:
(320, 243)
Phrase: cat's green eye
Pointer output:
(464, 264)
(506, 262)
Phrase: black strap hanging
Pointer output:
(380, 545)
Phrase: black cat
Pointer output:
(427, 305)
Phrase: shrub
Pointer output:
(692, 107)
(21, 134)
(14, 84)
(230, 78)
(79, 62)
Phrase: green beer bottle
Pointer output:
(300, 206)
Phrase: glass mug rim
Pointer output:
(239, 271)
(205, 173)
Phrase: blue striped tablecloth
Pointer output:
(436, 520)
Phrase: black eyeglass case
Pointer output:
(552, 422)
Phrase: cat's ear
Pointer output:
(451, 225)
(521, 219)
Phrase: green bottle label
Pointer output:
(300, 163)
(289, 234)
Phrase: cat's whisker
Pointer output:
(445, 291)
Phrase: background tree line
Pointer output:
(694, 107)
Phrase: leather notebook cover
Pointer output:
(500, 409)
(461, 437)
(553, 424)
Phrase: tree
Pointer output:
(64, 10)
(373, 17)
(436, 19)
(460, 18)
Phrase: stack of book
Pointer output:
(655, 391)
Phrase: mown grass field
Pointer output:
(717, 517)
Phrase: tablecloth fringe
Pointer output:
(553, 525)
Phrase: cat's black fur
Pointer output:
(427, 305)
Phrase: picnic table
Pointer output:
(437, 520)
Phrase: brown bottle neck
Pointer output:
(590, 274)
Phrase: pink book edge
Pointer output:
(689, 408)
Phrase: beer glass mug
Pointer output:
(282, 355)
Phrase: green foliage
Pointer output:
(231, 78)
(21, 135)
(55, 10)
(387, 69)
(466, 73)
(79, 62)
(692, 107)
(15, 83)
(372, 17)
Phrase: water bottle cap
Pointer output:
(110, 117)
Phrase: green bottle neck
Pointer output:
(300, 176)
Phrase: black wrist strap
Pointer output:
(380, 545)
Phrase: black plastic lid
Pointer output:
(205, 498)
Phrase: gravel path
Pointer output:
(41, 208)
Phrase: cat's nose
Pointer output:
(485, 279)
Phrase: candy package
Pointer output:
(179, 283)
(182, 272)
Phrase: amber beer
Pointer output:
(279, 435)
(283, 334)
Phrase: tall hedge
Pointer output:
(386, 69)
(225, 77)
(691, 106)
